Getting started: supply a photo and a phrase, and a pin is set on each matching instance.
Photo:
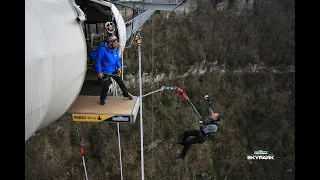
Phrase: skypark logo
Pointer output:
(253, 157)
(260, 155)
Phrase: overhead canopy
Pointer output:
(95, 13)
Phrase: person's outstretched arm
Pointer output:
(210, 111)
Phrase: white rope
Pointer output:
(152, 115)
(81, 143)
(84, 165)
(141, 126)
(132, 38)
(115, 93)
(161, 89)
(118, 126)
(119, 150)
(79, 133)
(122, 66)
(114, 88)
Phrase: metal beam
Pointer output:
(150, 6)
(138, 22)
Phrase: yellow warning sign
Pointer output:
(90, 117)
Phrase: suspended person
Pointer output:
(107, 63)
(207, 128)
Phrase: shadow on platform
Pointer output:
(91, 88)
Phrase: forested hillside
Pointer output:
(257, 107)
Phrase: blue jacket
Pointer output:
(94, 53)
(107, 60)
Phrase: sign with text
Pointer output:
(119, 118)
(91, 117)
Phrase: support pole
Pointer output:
(138, 40)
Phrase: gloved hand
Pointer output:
(206, 97)
(119, 71)
(100, 75)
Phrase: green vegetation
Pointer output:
(258, 108)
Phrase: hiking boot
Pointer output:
(179, 156)
(102, 101)
(128, 97)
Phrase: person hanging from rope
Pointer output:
(207, 128)
(108, 65)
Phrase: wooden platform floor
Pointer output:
(114, 105)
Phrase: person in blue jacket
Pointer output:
(207, 128)
(107, 63)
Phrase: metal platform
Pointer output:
(116, 109)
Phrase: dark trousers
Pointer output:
(107, 82)
(190, 137)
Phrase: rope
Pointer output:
(152, 115)
(132, 38)
(115, 93)
(195, 110)
(141, 126)
(119, 150)
(161, 89)
(167, 16)
(122, 66)
(79, 133)
(84, 165)
(180, 91)
(81, 149)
